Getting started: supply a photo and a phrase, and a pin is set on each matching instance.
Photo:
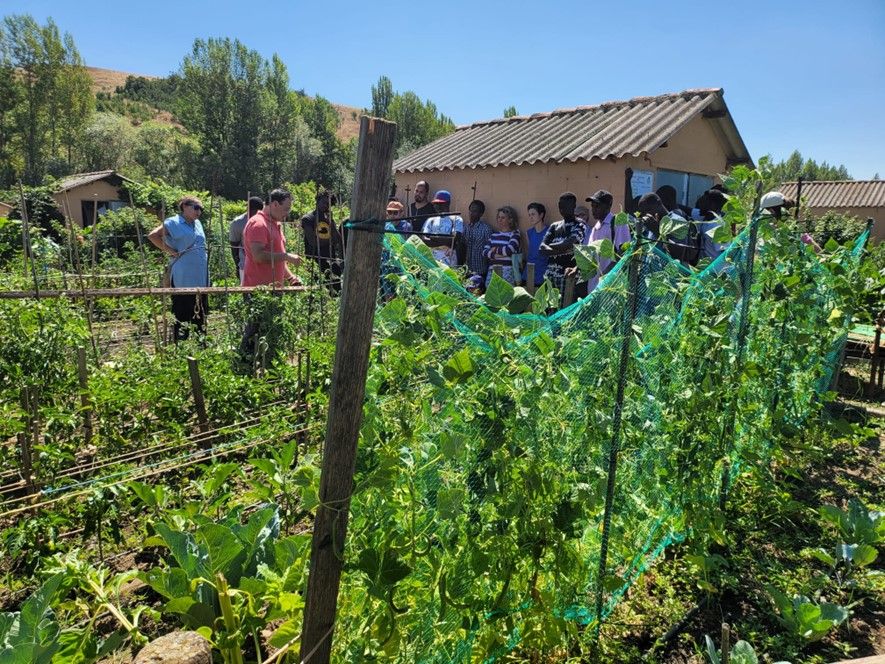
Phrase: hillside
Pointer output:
(107, 80)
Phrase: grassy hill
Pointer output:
(107, 81)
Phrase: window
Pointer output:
(688, 186)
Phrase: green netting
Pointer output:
(517, 472)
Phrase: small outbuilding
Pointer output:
(84, 197)
(684, 139)
(857, 198)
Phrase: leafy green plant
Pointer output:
(31, 636)
(805, 618)
(740, 653)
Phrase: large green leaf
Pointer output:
(499, 292)
(459, 367)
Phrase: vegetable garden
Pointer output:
(517, 472)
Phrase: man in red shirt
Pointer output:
(265, 246)
(267, 263)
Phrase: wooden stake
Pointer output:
(85, 401)
(568, 293)
(24, 446)
(199, 402)
(726, 644)
(348, 391)
(530, 278)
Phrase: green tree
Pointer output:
(510, 112)
(223, 104)
(382, 95)
(280, 136)
(107, 143)
(55, 100)
(419, 122)
(795, 166)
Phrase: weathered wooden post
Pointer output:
(530, 278)
(568, 293)
(24, 446)
(353, 341)
(85, 401)
(197, 388)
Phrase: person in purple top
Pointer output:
(534, 237)
(604, 228)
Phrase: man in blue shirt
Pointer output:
(182, 239)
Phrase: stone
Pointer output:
(176, 648)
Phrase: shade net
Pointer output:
(518, 471)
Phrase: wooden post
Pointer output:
(726, 644)
(85, 401)
(197, 388)
(24, 446)
(530, 278)
(357, 309)
(568, 293)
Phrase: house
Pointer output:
(85, 196)
(684, 139)
(856, 198)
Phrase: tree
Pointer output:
(279, 143)
(107, 142)
(54, 97)
(418, 122)
(223, 104)
(510, 112)
(795, 166)
(382, 95)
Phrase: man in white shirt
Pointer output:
(604, 228)
(447, 231)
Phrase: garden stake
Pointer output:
(147, 280)
(530, 278)
(726, 643)
(627, 317)
(24, 446)
(26, 245)
(85, 401)
(568, 293)
(746, 278)
(359, 296)
(197, 390)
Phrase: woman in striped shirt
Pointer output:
(503, 245)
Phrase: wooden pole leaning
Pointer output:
(357, 308)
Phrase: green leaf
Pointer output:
(544, 343)
(450, 502)
(743, 653)
(585, 259)
(459, 367)
(522, 301)
(712, 651)
(831, 245)
(285, 633)
(499, 292)
(859, 554)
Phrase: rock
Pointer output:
(176, 648)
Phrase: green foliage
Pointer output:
(805, 618)
(161, 93)
(52, 97)
(795, 166)
(740, 653)
(31, 636)
(510, 112)
(418, 122)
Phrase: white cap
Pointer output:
(772, 199)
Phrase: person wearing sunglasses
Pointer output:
(181, 237)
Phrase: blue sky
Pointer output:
(797, 75)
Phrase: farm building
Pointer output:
(684, 139)
(86, 196)
(858, 198)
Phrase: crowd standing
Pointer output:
(258, 244)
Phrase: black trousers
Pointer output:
(189, 310)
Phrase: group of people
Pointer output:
(258, 244)
(258, 248)
(484, 248)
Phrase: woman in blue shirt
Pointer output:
(535, 236)
(182, 238)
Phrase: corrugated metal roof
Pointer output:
(839, 193)
(79, 179)
(612, 129)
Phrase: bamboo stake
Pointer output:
(197, 390)
(85, 401)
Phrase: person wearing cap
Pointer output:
(709, 218)
(560, 241)
(395, 211)
(774, 204)
(604, 228)
(421, 207)
(444, 233)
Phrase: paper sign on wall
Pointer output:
(642, 182)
